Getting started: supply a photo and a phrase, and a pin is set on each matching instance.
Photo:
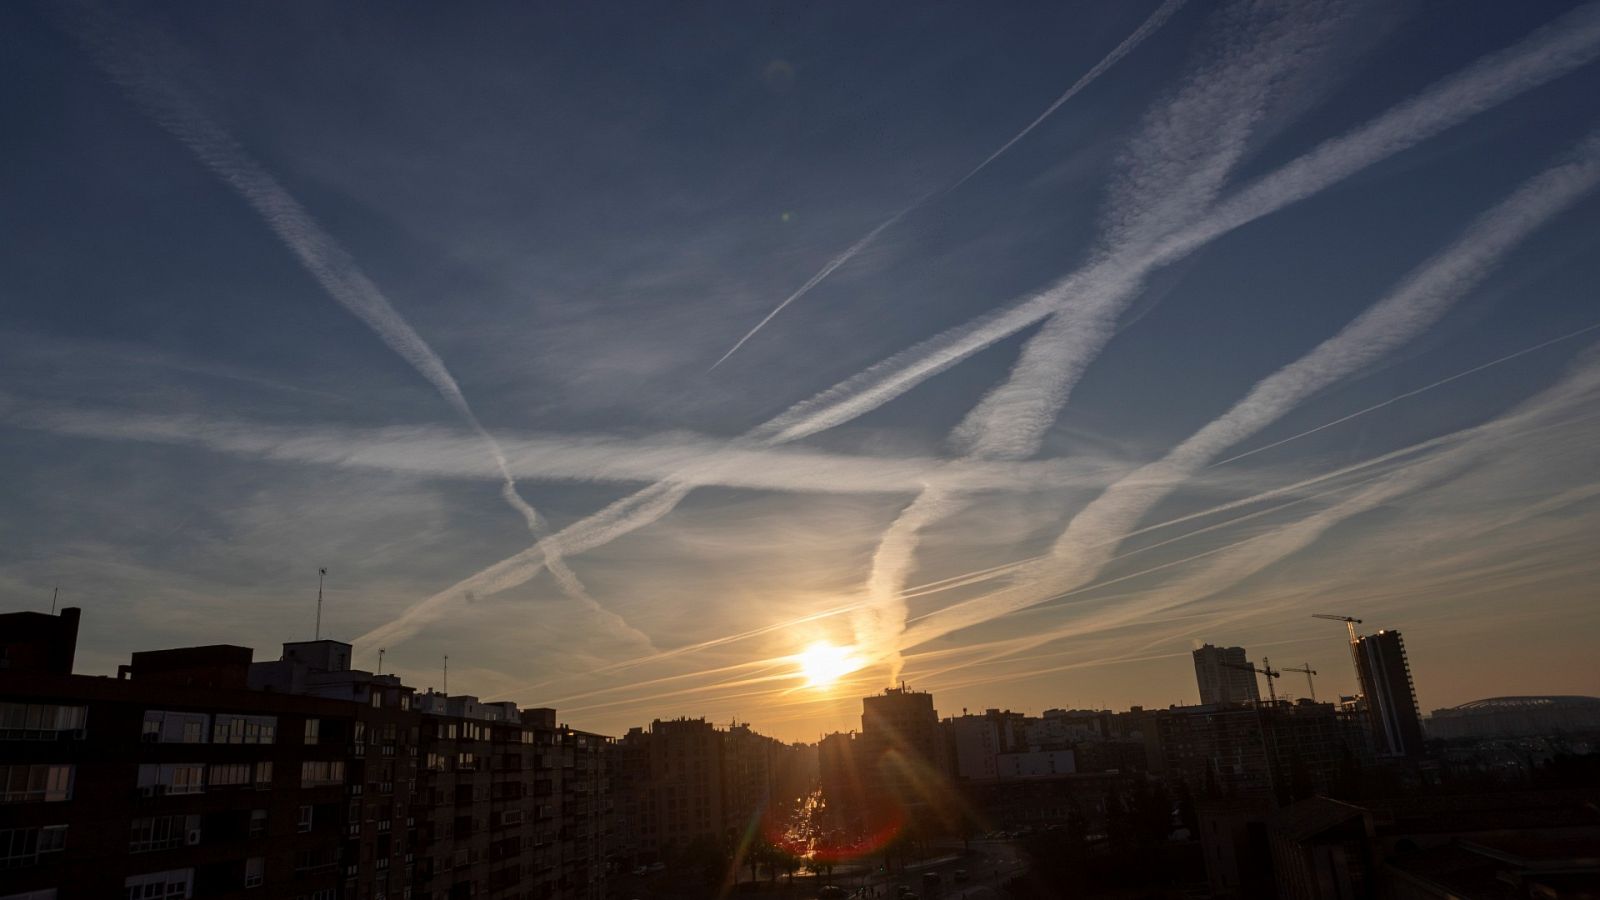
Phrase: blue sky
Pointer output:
(308, 285)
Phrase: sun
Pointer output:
(823, 664)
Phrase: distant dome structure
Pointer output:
(1517, 717)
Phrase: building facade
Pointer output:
(1224, 676)
(1390, 695)
(198, 773)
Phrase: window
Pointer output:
(255, 871)
(377, 700)
(225, 774)
(258, 823)
(40, 721)
(264, 773)
(23, 846)
(172, 778)
(43, 894)
(161, 832)
(168, 727)
(40, 782)
(234, 729)
(313, 730)
(304, 821)
(321, 771)
(174, 883)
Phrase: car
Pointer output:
(640, 870)
(961, 875)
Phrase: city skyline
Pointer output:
(739, 364)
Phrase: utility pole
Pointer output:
(321, 574)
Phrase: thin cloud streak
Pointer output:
(1255, 554)
(1548, 53)
(125, 51)
(1516, 354)
(1158, 18)
(1551, 51)
(1175, 167)
(690, 459)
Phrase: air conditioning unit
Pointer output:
(193, 837)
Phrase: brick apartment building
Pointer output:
(199, 773)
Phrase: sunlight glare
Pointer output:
(823, 664)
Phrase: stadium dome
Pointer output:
(1517, 717)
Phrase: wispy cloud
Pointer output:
(692, 460)
(143, 61)
(1052, 579)
(1158, 18)
(1546, 54)
(1174, 168)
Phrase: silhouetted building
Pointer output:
(975, 742)
(164, 785)
(39, 642)
(197, 772)
(1224, 676)
(903, 762)
(1283, 750)
(1504, 717)
(1390, 696)
(685, 780)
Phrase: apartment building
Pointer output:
(174, 780)
(198, 772)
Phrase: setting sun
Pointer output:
(823, 663)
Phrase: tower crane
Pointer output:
(1310, 686)
(1350, 623)
(1266, 669)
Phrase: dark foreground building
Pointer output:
(198, 773)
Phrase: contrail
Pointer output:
(692, 460)
(133, 65)
(1416, 304)
(1411, 393)
(1551, 51)
(1176, 166)
(1257, 553)
(1156, 20)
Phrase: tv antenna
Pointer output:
(321, 574)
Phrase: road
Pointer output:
(988, 865)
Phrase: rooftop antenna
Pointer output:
(54, 596)
(380, 660)
(321, 574)
(447, 674)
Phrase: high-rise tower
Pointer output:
(1391, 698)
(1223, 675)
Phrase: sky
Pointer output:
(626, 354)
